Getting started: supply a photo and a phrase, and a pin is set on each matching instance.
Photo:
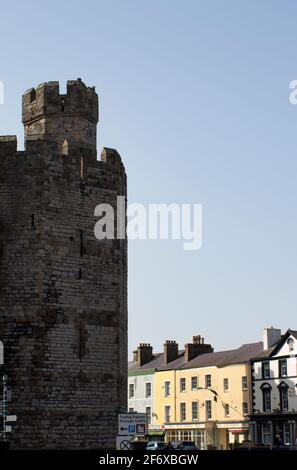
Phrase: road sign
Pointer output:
(123, 442)
(131, 429)
(11, 418)
(8, 428)
(132, 423)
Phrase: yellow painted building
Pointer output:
(204, 397)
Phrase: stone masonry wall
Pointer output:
(63, 296)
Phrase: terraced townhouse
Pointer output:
(194, 394)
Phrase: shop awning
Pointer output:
(156, 432)
(234, 427)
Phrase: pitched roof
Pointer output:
(293, 333)
(218, 359)
(153, 364)
(276, 347)
(267, 353)
(224, 358)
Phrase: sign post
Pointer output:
(4, 405)
(130, 425)
(6, 418)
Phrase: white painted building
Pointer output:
(274, 386)
(141, 382)
(141, 393)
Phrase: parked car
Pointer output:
(156, 446)
(184, 445)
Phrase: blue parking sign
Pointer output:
(131, 428)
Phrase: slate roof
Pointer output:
(225, 358)
(278, 345)
(264, 353)
(218, 359)
(155, 363)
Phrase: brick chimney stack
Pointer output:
(196, 348)
(170, 351)
(143, 354)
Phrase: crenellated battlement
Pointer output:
(8, 144)
(8, 138)
(73, 116)
(46, 100)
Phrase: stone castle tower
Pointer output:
(63, 293)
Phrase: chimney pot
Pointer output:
(170, 351)
(135, 356)
(144, 353)
(196, 348)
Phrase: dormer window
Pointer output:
(290, 343)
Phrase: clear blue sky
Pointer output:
(195, 97)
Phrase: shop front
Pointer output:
(232, 434)
(274, 430)
(156, 433)
(183, 432)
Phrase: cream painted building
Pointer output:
(198, 395)
(208, 405)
